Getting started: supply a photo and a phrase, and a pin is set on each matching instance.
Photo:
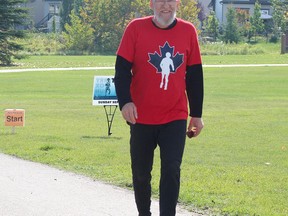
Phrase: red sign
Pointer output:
(14, 117)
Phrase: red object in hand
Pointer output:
(190, 134)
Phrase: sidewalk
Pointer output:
(112, 68)
(32, 189)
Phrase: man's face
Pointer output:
(164, 11)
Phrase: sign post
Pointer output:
(104, 94)
(284, 43)
(14, 117)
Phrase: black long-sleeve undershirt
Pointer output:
(122, 79)
(195, 89)
(194, 85)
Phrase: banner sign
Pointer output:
(104, 92)
(14, 117)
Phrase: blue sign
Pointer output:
(104, 92)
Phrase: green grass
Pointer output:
(104, 61)
(220, 48)
(246, 59)
(238, 166)
(63, 62)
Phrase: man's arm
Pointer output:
(195, 93)
(195, 89)
(122, 81)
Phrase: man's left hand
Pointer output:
(195, 125)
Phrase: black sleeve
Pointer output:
(195, 89)
(122, 80)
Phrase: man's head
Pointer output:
(164, 11)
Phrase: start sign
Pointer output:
(14, 117)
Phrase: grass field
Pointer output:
(238, 166)
(103, 61)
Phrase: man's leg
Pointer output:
(142, 145)
(171, 141)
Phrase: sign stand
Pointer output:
(13, 130)
(110, 116)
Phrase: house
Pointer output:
(44, 14)
(266, 9)
(221, 7)
(216, 6)
(206, 6)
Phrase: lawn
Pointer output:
(103, 61)
(238, 166)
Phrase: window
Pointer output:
(264, 12)
(54, 8)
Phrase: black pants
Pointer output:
(171, 140)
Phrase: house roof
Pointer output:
(212, 2)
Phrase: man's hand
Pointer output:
(195, 125)
(129, 112)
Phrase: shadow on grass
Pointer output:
(54, 147)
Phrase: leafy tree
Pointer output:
(77, 6)
(189, 11)
(65, 12)
(108, 18)
(257, 24)
(212, 25)
(79, 35)
(11, 17)
(243, 20)
(280, 16)
(67, 7)
(140, 8)
(242, 16)
(231, 31)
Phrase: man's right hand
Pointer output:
(129, 112)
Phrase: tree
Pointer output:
(257, 24)
(77, 6)
(79, 34)
(67, 7)
(189, 11)
(280, 16)
(243, 18)
(65, 12)
(11, 17)
(231, 31)
(108, 18)
(140, 8)
(212, 26)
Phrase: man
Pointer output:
(158, 115)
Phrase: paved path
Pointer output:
(32, 189)
(112, 68)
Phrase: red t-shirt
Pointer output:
(159, 58)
